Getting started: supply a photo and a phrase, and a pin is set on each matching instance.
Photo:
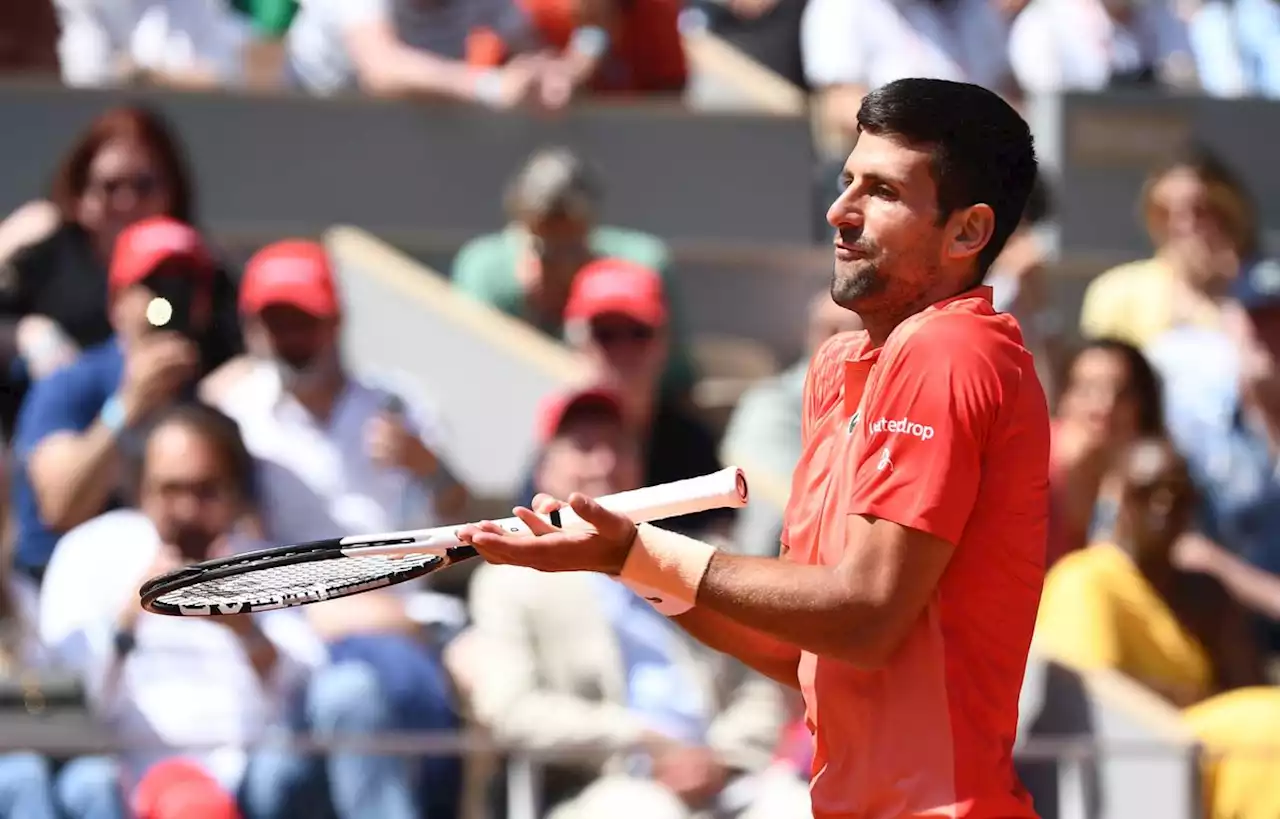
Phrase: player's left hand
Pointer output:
(392, 445)
(550, 549)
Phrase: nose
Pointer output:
(845, 211)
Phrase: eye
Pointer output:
(884, 192)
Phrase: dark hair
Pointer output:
(1144, 381)
(215, 427)
(1039, 205)
(1228, 196)
(554, 183)
(138, 125)
(981, 149)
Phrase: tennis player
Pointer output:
(914, 540)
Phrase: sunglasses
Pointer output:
(636, 334)
(142, 184)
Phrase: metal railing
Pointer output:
(525, 766)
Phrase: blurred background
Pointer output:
(428, 257)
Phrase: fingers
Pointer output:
(536, 524)
(610, 524)
(544, 504)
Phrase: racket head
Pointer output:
(285, 576)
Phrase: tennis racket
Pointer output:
(328, 569)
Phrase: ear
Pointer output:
(971, 230)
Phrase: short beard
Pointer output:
(849, 290)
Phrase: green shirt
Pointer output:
(271, 18)
(485, 269)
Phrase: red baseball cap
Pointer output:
(555, 408)
(145, 245)
(181, 789)
(617, 286)
(294, 272)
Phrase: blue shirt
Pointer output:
(1232, 463)
(67, 401)
(1237, 47)
(658, 687)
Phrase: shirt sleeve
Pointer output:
(1077, 622)
(63, 402)
(347, 14)
(925, 427)
(830, 49)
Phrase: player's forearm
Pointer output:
(771, 657)
(809, 607)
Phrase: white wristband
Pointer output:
(488, 88)
(666, 569)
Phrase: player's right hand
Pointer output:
(156, 368)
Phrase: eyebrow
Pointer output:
(872, 178)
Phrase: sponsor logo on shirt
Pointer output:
(853, 422)
(904, 426)
(885, 462)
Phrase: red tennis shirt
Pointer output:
(945, 430)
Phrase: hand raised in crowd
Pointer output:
(390, 444)
(156, 369)
(518, 81)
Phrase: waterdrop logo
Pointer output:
(902, 426)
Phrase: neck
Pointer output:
(1153, 563)
(319, 398)
(879, 326)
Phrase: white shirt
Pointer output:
(158, 35)
(1074, 45)
(316, 480)
(873, 42)
(316, 45)
(188, 682)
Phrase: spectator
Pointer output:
(28, 38)
(767, 31)
(1110, 396)
(1129, 42)
(699, 725)
(616, 318)
(1237, 47)
(527, 269)
(75, 424)
(1019, 286)
(84, 788)
(216, 684)
(1221, 406)
(606, 46)
(54, 255)
(408, 48)
(764, 430)
(1203, 226)
(179, 43)
(336, 456)
(852, 46)
(1125, 605)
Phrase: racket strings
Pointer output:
(315, 578)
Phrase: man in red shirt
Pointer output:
(914, 540)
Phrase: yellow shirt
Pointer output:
(1136, 302)
(1098, 611)
(1245, 785)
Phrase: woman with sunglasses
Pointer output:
(125, 167)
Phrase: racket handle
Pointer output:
(726, 489)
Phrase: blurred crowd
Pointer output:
(545, 53)
(136, 445)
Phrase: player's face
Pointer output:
(186, 491)
(888, 242)
(594, 455)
